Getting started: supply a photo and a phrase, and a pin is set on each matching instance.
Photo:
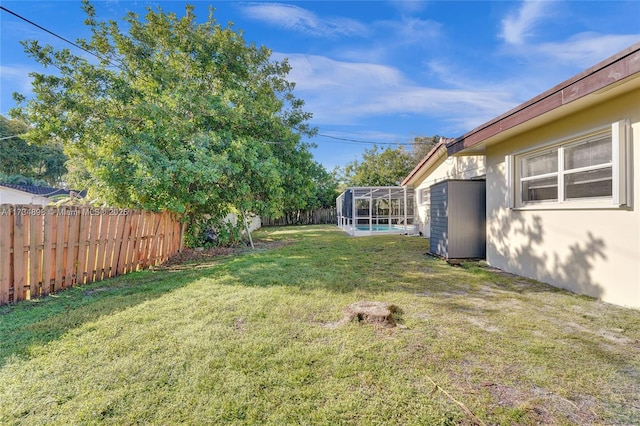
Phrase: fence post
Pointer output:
(6, 223)
(19, 234)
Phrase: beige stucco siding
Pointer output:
(14, 196)
(463, 167)
(590, 251)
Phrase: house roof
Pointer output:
(44, 191)
(620, 72)
(435, 153)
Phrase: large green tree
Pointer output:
(384, 167)
(378, 167)
(421, 145)
(174, 114)
(21, 161)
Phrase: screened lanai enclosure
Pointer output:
(376, 210)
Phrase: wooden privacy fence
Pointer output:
(304, 217)
(46, 249)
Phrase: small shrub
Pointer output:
(213, 232)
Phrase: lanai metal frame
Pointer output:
(375, 210)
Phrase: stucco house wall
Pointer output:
(563, 182)
(253, 222)
(589, 250)
(15, 196)
(437, 167)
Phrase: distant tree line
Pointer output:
(384, 167)
(26, 163)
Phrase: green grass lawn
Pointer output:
(249, 339)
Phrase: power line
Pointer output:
(47, 31)
(337, 139)
(59, 36)
(347, 140)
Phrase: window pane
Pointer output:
(590, 153)
(594, 183)
(540, 189)
(540, 164)
(426, 195)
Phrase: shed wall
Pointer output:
(462, 167)
(439, 239)
(458, 219)
(467, 213)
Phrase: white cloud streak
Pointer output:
(410, 31)
(301, 20)
(346, 92)
(587, 48)
(517, 27)
(409, 7)
(17, 79)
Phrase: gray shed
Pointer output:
(458, 219)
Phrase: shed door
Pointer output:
(439, 240)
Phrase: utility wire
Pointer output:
(341, 140)
(370, 142)
(58, 36)
(47, 31)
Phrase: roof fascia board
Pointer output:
(432, 156)
(608, 73)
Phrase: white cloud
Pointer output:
(412, 6)
(346, 92)
(519, 26)
(543, 64)
(303, 21)
(15, 79)
(410, 30)
(586, 49)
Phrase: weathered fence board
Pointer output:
(6, 227)
(47, 262)
(46, 249)
(35, 254)
(18, 257)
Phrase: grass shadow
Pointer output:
(250, 329)
(33, 323)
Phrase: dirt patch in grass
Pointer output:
(92, 291)
(543, 407)
(377, 313)
(190, 258)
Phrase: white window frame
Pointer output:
(621, 187)
(425, 196)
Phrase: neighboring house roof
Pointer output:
(44, 191)
(618, 74)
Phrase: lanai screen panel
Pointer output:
(376, 210)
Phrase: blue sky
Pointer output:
(379, 71)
